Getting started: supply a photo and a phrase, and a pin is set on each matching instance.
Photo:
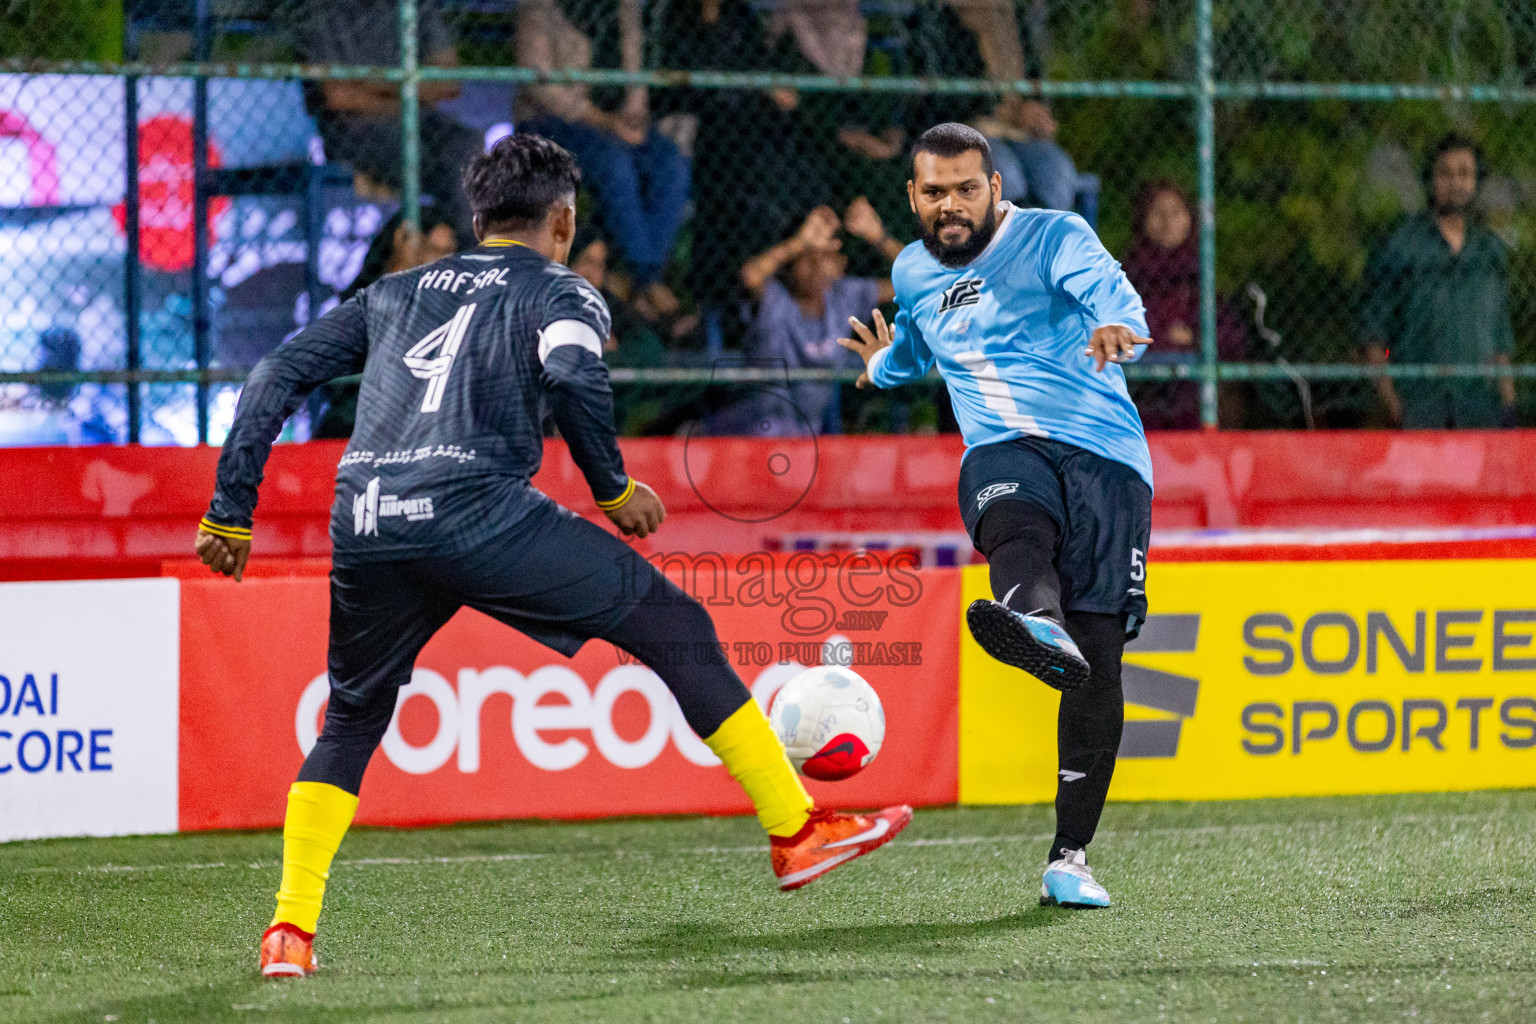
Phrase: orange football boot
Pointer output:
(830, 839)
(287, 952)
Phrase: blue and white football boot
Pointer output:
(1068, 882)
(1034, 643)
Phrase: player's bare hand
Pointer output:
(1113, 344)
(223, 554)
(867, 342)
(819, 231)
(641, 514)
(862, 221)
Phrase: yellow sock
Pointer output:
(755, 758)
(318, 816)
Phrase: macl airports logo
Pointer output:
(1173, 696)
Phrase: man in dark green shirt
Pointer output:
(1438, 292)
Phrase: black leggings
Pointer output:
(1020, 542)
(660, 627)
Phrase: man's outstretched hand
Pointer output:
(1113, 344)
(641, 514)
(867, 343)
(223, 554)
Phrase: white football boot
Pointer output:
(1068, 882)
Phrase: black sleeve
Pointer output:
(570, 297)
(333, 346)
(580, 399)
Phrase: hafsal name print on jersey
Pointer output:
(88, 708)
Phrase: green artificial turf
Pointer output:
(1350, 909)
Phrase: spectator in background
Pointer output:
(638, 178)
(861, 135)
(359, 121)
(982, 39)
(1164, 266)
(1438, 292)
(394, 248)
(863, 141)
(57, 414)
(632, 342)
(759, 159)
(1035, 170)
(763, 159)
(804, 302)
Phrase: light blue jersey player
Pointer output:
(1025, 315)
(1010, 330)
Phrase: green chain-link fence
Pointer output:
(1263, 169)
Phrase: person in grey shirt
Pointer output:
(359, 121)
(804, 301)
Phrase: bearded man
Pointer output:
(1026, 317)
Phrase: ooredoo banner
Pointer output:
(88, 707)
(494, 725)
(1289, 679)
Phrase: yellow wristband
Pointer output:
(615, 504)
(220, 530)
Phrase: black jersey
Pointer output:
(449, 417)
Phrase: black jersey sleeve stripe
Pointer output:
(581, 402)
(220, 530)
(615, 504)
(333, 346)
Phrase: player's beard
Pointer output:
(1455, 207)
(959, 255)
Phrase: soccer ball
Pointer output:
(830, 722)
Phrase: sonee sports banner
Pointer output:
(1254, 679)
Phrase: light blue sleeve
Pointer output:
(906, 359)
(1077, 265)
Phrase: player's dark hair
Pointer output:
(949, 140)
(512, 187)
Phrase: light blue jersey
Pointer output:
(1009, 332)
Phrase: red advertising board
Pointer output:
(114, 511)
(498, 726)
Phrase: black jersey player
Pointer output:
(434, 511)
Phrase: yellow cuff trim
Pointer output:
(616, 503)
(220, 530)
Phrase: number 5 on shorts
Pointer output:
(1138, 564)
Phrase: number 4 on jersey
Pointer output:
(435, 369)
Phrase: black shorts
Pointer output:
(1102, 509)
(553, 575)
